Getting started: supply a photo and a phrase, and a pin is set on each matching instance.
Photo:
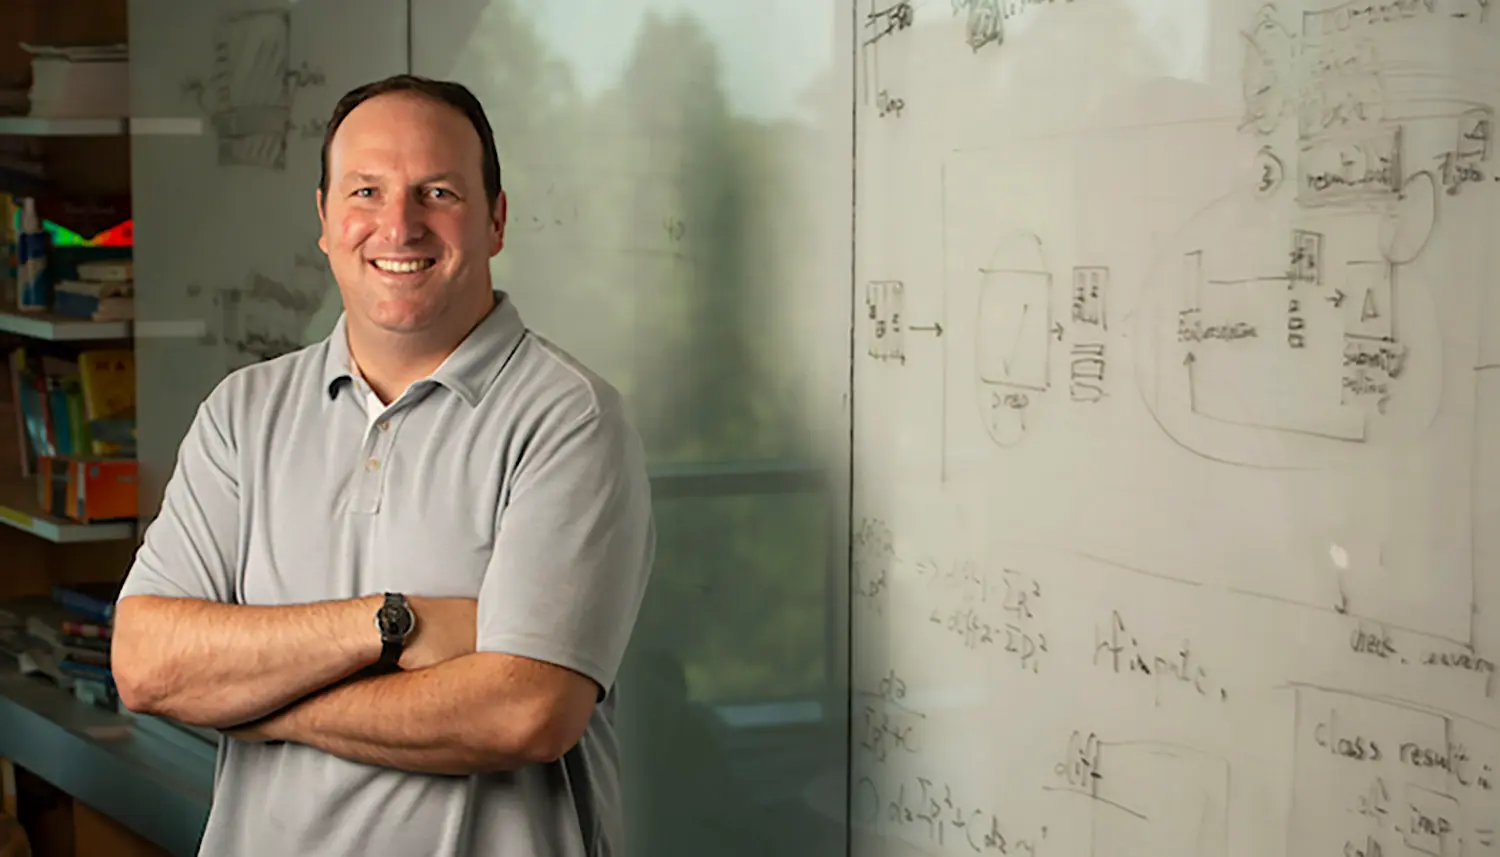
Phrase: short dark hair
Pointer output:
(455, 95)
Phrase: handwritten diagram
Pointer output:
(265, 318)
(1320, 341)
(1030, 327)
(250, 92)
(1147, 797)
(1404, 778)
(1361, 149)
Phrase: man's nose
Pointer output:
(401, 220)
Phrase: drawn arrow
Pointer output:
(934, 328)
(1057, 331)
(1189, 359)
(1337, 299)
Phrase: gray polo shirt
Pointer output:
(510, 475)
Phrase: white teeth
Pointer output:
(402, 266)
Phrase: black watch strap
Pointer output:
(395, 622)
(390, 653)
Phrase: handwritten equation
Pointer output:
(889, 724)
(930, 812)
(968, 594)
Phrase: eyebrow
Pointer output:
(371, 178)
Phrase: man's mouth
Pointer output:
(403, 266)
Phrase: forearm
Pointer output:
(217, 665)
(445, 719)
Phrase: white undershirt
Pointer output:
(373, 406)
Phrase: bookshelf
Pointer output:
(19, 510)
(85, 160)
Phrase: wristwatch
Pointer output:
(396, 621)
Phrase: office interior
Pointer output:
(1069, 423)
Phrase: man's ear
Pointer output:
(497, 221)
(322, 222)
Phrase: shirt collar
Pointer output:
(468, 371)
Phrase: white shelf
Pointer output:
(18, 509)
(39, 126)
(61, 328)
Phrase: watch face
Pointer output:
(395, 620)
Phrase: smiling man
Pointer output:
(399, 568)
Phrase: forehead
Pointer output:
(404, 132)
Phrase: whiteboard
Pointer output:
(1175, 430)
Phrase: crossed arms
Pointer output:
(466, 699)
(284, 674)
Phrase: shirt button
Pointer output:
(372, 464)
(385, 425)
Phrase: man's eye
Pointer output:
(365, 192)
(441, 192)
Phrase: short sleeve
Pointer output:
(191, 549)
(574, 548)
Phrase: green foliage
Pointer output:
(648, 226)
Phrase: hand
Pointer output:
(446, 629)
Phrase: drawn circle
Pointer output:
(1269, 172)
(1406, 228)
(1003, 413)
(1262, 67)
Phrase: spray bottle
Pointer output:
(33, 291)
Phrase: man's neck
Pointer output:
(390, 363)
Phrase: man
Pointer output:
(399, 568)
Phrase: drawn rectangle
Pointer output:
(1307, 257)
(1433, 822)
(1353, 753)
(1090, 287)
(1015, 322)
(1475, 128)
(1239, 369)
(883, 302)
(1358, 166)
(1368, 301)
(1355, 16)
(1155, 799)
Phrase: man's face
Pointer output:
(406, 225)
